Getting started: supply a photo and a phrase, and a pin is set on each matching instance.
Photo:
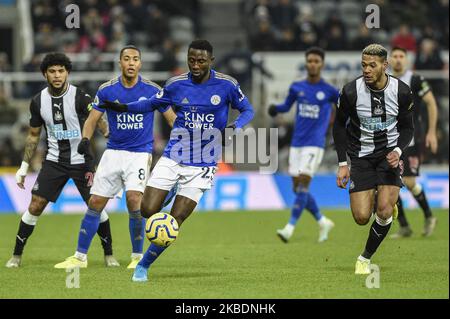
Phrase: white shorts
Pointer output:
(118, 169)
(192, 180)
(304, 160)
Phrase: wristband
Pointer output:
(398, 150)
(23, 170)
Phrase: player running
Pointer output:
(127, 158)
(315, 99)
(412, 154)
(61, 108)
(374, 124)
(201, 99)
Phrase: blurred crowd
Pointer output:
(336, 25)
(106, 26)
(167, 26)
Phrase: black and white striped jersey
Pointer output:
(419, 87)
(370, 123)
(63, 118)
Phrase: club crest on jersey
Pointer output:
(36, 186)
(215, 99)
(378, 109)
(58, 116)
(320, 95)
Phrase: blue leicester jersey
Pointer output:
(314, 106)
(127, 131)
(202, 113)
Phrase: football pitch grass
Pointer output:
(232, 255)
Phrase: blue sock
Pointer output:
(88, 229)
(136, 226)
(311, 205)
(150, 255)
(299, 205)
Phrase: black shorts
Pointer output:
(411, 161)
(53, 176)
(368, 173)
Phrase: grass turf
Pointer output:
(232, 255)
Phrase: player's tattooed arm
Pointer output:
(30, 147)
(31, 143)
(170, 116)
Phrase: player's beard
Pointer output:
(57, 91)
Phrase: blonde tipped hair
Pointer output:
(376, 49)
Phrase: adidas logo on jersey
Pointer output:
(185, 101)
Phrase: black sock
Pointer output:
(104, 232)
(23, 234)
(401, 214)
(422, 200)
(376, 236)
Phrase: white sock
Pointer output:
(361, 258)
(322, 221)
(29, 219)
(103, 216)
(417, 189)
(136, 255)
(290, 228)
(383, 222)
(80, 256)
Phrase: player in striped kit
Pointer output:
(422, 94)
(374, 124)
(61, 108)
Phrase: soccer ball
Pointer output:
(161, 229)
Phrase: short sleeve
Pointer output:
(84, 103)
(238, 99)
(405, 100)
(98, 100)
(422, 86)
(334, 95)
(35, 115)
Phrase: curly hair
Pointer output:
(55, 58)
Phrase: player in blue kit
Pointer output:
(315, 99)
(201, 99)
(127, 159)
